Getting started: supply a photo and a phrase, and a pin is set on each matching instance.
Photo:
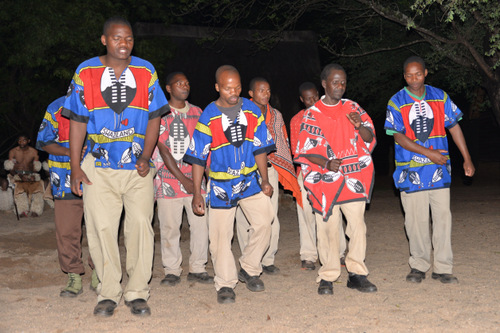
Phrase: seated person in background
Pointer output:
(23, 165)
(6, 198)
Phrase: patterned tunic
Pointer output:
(176, 130)
(116, 110)
(55, 129)
(327, 132)
(232, 147)
(423, 122)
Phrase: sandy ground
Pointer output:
(31, 280)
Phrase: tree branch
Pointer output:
(330, 49)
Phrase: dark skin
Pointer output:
(309, 97)
(179, 91)
(260, 94)
(58, 150)
(24, 155)
(415, 78)
(229, 87)
(335, 85)
(119, 42)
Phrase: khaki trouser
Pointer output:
(307, 228)
(328, 241)
(243, 229)
(259, 211)
(416, 206)
(110, 192)
(170, 217)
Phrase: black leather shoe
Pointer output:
(105, 308)
(360, 283)
(308, 265)
(445, 278)
(415, 276)
(254, 283)
(225, 295)
(170, 280)
(200, 277)
(325, 288)
(271, 269)
(139, 307)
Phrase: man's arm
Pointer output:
(331, 165)
(459, 139)
(77, 133)
(34, 154)
(55, 149)
(171, 165)
(365, 133)
(152, 130)
(198, 204)
(435, 155)
(58, 150)
(261, 160)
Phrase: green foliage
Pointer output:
(42, 44)
(480, 17)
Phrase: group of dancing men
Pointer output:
(126, 146)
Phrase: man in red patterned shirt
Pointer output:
(174, 186)
(307, 224)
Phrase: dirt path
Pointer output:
(30, 280)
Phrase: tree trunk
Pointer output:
(494, 94)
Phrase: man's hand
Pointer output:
(198, 204)
(142, 166)
(333, 165)
(188, 185)
(469, 168)
(436, 156)
(267, 189)
(77, 177)
(83, 152)
(355, 119)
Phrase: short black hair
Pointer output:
(115, 20)
(328, 68)
(307, 86)
(253, 82)
(170, 77)
(411, 59)
(223, 69)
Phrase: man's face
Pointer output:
(415, 76)
(179, 87)
(4, 184)
(119, 41)
(335, 85)
(309, 97)
(23, 141)
(229, 88)
(261, 93)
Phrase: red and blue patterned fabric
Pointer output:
(424, 122)
(116, 109)
(55, 129)
(232, 147)
(327, 132)
(176, 129)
